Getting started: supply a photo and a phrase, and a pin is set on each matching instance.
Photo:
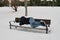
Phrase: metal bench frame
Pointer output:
(47, 23)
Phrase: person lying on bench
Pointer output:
(31, 21)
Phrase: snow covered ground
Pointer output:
(7, 14)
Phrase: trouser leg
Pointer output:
(35, 24)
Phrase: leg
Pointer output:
(15, 9)
(10, 24)
(35, 24)
(46, 29)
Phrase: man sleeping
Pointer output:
(31, 21)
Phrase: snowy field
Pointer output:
(7, 14)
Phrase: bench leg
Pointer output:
(10, 24)
(46, 29)
(10, 27)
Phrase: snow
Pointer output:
(7, 14)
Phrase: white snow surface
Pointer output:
(7, 14)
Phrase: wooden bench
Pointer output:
(18, 20)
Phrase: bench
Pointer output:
(18, 20)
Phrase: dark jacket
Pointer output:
(24, 20)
